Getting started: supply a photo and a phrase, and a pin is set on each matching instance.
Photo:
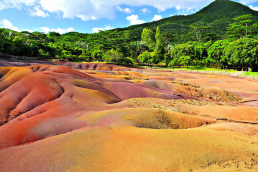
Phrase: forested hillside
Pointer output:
(219, 14)
(158, 43)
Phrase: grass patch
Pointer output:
(191, 68)
(250, 73)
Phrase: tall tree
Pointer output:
(168, 38)
(242, 26)
(200, 50)
(179, 51)
(18, 44)
(137, 46)
(199, 29)
(242, 52)
(216, 53)
(159, 49)
(148, 37)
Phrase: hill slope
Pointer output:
(219, 12)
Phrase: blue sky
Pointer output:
(90, 16)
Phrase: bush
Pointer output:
(128, 61)
(183, 50)
(145, 57)
(185, 60)
(112, 56)
(242, 52)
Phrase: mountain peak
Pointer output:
(226, 9)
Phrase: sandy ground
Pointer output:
(103, 117)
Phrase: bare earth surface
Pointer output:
(103, 117)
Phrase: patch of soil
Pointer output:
(208, 93)
(160, 119)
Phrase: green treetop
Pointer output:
(242, 52)
(242, 26)
(148, 37)
(159, 49)
(181, 54)
(199, 29)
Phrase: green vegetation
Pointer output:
(179, 53)
(145, 57)
(148, 38)
(250, 73)
(194, 68)
(242, 52)
(221, 35)
(243, 26)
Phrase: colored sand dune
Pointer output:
(104, 117)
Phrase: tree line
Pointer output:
(239, 50)
(199, 47)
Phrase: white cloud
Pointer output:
(126, 10)
(253, 8)
(157, 17)
(16, 3)
(96, 9)
(96, 29)
(119, 8)
(70, 29)
(93, 18)
(85, 18)
(59, 30)
(108, 27)
(185, 12)
(7, 24)
(134, 19)
(38, 12)
(145, 10)
(45, 29)
(84, 9)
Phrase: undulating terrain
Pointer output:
(103, 117)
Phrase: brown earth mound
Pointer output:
(23, 63)
(34, 94)
(98, 66)
(208, 93)
(145, 118)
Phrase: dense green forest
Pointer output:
(223, 34)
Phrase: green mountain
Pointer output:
(219, 13)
